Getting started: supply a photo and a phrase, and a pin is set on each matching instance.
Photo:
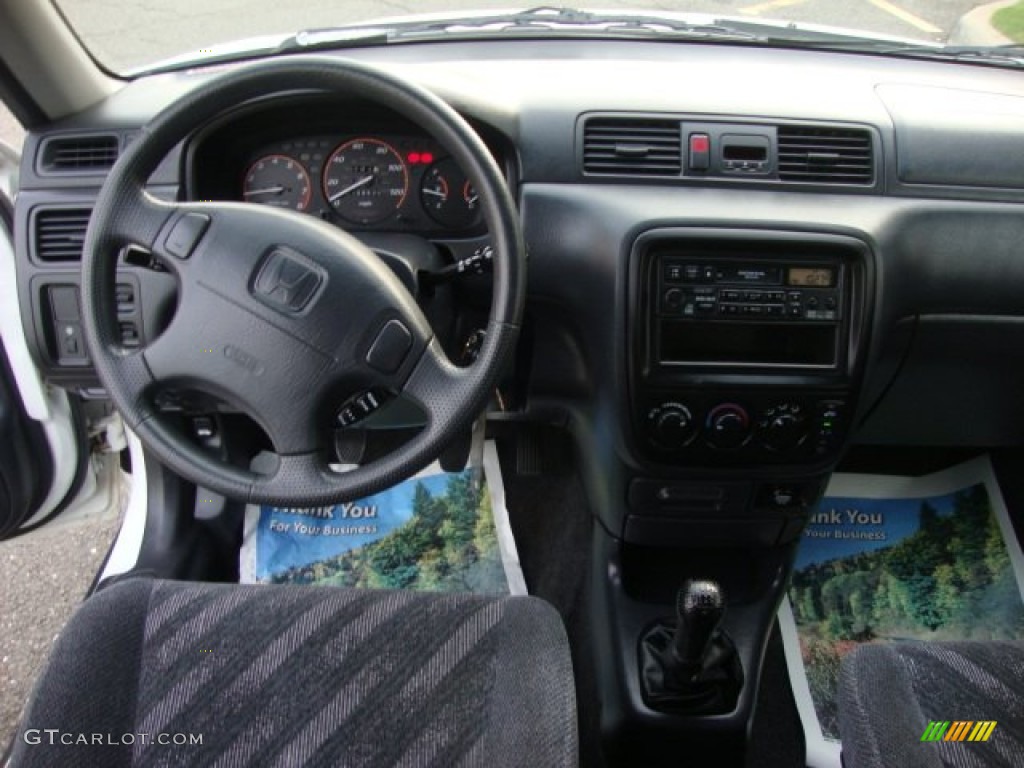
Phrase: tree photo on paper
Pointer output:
(446, 542)
(899, 570)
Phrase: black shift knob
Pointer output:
(700, 605)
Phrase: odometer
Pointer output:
(365, 180)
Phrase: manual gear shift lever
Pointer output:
(700, 606)
(690, 665)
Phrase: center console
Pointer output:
(744, 356)
(744, 346)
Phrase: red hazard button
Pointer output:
(700, 152)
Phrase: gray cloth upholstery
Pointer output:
(888, 694)
(291, 676)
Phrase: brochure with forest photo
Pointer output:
(438, 531)
(896, 559)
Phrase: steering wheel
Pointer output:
(282, 315)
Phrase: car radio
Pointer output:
(800, 293)
(743, 312)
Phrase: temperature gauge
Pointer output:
(448, 197)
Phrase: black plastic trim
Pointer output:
(727, 123)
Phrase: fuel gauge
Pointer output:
(448, 197)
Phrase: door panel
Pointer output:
(42, 453)
(26, 466)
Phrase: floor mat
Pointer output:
(442, 531)
(896, 559)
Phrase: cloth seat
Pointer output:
(889, 693)
(293, 675)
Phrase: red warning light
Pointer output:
(427, 158)
(414, 157)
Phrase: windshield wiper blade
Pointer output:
(1011, 54)
(542, 19)
(334, 37)
(562, 19)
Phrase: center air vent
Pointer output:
(632, 147)
(825, 155)
(68, 154)
(58, 233)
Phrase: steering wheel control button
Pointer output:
(287, 281)
(358, 407)
(388, 351)
(186, 233)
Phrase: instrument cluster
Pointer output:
(374, 182)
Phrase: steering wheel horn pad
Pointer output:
(281, 314)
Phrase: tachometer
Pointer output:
(278, 180)
(365, 180)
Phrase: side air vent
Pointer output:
(70, 154)
(58, 233)
(824, 155)
(632, 147)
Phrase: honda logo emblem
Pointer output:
(287, 281)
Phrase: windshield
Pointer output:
(127, 35)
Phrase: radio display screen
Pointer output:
(810, 277)
(748, 273)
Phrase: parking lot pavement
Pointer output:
(43, 576)
(11, 131)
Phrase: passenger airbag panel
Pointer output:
(953, 137)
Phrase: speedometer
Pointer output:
(365, 180)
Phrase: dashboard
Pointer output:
(860, 217)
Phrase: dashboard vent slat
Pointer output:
(59, 233)
(632, 147)
(825, 155)
(69, 154)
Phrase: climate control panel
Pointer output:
(744, 427)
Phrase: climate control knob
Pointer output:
(671, 425)
(727, 426)
(783, 428)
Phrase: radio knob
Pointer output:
(727, 426)
(784, 432)
(673, 298)
(671, 425)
